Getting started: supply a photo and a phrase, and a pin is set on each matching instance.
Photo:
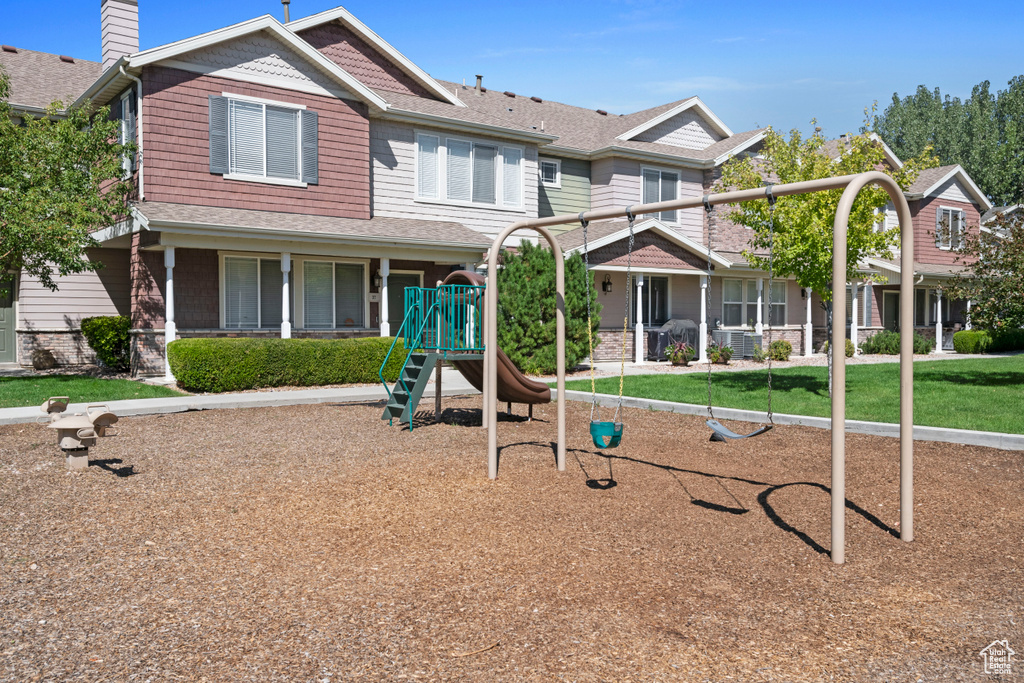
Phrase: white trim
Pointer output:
(662, 229)
(958, 172)
(417, 118)
(263, 100)
(679, 186)
(299, 314)
(266, 180)
(963, 226)
(442, 172)
(557, 184)
(264, 23)
(647, 271)
(746, 144)
(692, 103)
(247, 77)
(400, 60)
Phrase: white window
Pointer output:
(660, 186)
(654, 301)
(949, 228)
(466, 171)
(332, 295)
(264, 141)
(550, 171)
(739, 303)
(252, 292)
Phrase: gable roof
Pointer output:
(834, 148)
(265, 23)
(363, 31)
(690, 103)
(603, 233)
(589, 133)
(39, 78)
(931, 179)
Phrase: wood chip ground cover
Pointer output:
(314, 543)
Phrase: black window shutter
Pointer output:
(218, 134)
(309, 147)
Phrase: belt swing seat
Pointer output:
(606, 435)
(720, 432)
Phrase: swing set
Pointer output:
(609, 434)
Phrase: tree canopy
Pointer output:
(61, 178)
(802, 235)
(526, 308)
(984, 133)
(995, 281)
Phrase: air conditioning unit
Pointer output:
(742, 343)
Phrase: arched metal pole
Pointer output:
(851, 186)
(838, 347)
(491, 345)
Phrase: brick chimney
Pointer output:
(119, 29)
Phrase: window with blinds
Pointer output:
(949, 228)
(254, 140)
(739, 302)
(252, 292)
(661, 186)
(333, 294)
(471, 172)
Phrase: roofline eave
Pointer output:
(410, 116)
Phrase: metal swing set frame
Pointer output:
(851, 186)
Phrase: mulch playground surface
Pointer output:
(316, 543)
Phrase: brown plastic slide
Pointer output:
(513, 386)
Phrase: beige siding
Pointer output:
(263, 58)
(393, 182)
(104, 292)
(954, 191)
(684, 293)
(688, 130)
(616, 183)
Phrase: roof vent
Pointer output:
(602, 112)
(65, 58)
(9, 48)
(508, 109)
(536, 99)
(509, 94)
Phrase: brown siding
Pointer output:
(923, 212)
(650, 250)
(177, 161)
(149, 277)
(354, 55)
(196, 288)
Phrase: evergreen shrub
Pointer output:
(109, 336)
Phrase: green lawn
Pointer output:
(985, 394)
(32, 391)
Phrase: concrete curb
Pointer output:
(967, 437)
(262, 399)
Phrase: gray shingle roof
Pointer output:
(929, 177)
(406, 230)
(39, 78)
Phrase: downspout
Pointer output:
(138, 130)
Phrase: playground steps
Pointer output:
(415, 375)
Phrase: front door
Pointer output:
(397, 282)
(8, 354)
(890, 310)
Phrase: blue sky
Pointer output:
(754, 64)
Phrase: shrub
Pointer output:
(887, 342)
(759, 354)
(681, 353)
(971, 341)
(780, 349)
(719, 354)
(1007, 339)
(216, 365)
(108, 336)
(849, 348)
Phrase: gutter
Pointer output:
(138, 131)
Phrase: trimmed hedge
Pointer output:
(971, 341)
(780, 349)
(217, 365)
(887, 343)
(1007, 340)
(108, 336)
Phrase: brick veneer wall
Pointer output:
(68, 348)
(177, 134)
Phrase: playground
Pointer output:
(284, 544)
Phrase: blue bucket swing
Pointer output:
(606, 435)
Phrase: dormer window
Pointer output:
(262, 140)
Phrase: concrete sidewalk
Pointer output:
(452, 384)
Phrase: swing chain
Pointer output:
(709, 210)
(590, 326)
(625, 317)
(771, 275)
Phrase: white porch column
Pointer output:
(170, 330)
(938, 321)
(758, 325)
(638, 334)
(808, 325)
(385, 271)
(854, 327)
(703, 341)
(967, 323)
(286, 311)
